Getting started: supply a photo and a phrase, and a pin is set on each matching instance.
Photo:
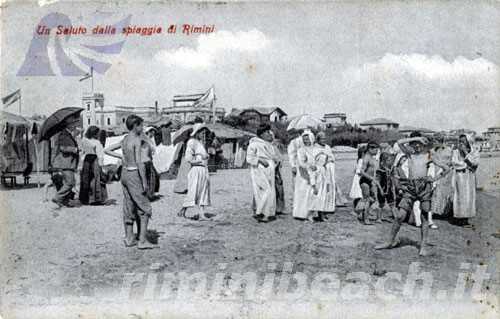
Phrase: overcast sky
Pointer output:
(429, 64)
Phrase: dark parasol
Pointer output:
(57, 121)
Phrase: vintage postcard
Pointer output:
(244, 159)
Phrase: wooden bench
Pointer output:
(10, 180)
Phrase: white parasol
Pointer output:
(305, 121)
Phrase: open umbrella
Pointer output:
(182, 134)
(304, 121)
(57, 121)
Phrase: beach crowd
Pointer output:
(410, 181)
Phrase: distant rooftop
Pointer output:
(378, 121)
(413, 128)
(126, 108)
(187, 97)
(260, 109)
(334, 115)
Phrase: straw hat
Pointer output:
(198, 127)
(149, 128)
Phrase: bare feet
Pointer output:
(206, 216)
(182, 212)
(146, 245)
(58, 203)
(423, 251)
(130, 242)
(387, 245)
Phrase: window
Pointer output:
(88, 106)
(123, 120)
(109, 121)
(88, 121)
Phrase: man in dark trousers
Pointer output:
(66, 161)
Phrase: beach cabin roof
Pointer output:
(13, 119)
(228, 132)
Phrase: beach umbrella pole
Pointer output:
(37, 164)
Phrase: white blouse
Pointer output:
(93, 146)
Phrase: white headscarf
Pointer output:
(311, 136)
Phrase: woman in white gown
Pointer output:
(465, 160)
(305, 179)
(355, 193)
(198, 190)
(262, 158)
(324, 200)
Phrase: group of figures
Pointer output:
(414, 179)
(313, 170)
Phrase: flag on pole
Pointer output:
(207, 99)
(11, 98)
(88, 75)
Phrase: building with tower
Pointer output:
(184, 108)
(92, 103)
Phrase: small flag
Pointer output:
(85, 77)
(11, 98)
(207, 98)
(88, 75)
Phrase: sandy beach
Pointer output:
(51, 255)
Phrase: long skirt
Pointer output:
(92, 182)
(464, 198)
(198, 189)
(324, 201)
(181, 182)
(280, 192)
(355, 192)
(301, 194)
(442, 197)
(264, 190)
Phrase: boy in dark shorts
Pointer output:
(368, 182)
(417, 186)
(384, 176)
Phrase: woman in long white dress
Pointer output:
(465, 160)
(305, 188)
(262, 158)
(324, 200)
(198, 193)
(355, 194)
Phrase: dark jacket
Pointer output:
(66, 152)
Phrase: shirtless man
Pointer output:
(417, 187)
(136, 204)
(368, 182)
